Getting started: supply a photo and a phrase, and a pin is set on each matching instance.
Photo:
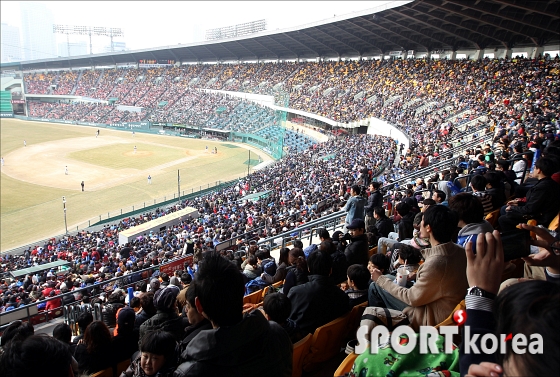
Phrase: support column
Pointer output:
(453, 55)
(537, 51)
(506, 54)
(477, 55)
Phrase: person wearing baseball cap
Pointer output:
(357, 251)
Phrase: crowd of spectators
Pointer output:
(65, 82)
(521, 101)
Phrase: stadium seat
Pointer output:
(301, 350)
(103, 373)
(253, 298)
(121, 367)
(372, 251)
(326, 343)
(346, 365)
(554, 223)
(449, 320)
(492, 217)
(354, 319)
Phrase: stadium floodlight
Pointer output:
(88, 30)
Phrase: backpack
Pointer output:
(255, 285)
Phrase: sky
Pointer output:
(148, 24)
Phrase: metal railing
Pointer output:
(27, 312)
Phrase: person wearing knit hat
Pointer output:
(176, 282)
(154, 285)
(167, 317)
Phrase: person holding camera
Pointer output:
(357, 251)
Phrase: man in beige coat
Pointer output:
(441, 281)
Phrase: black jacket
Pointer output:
(374, 200)
(543, 202)
(384, 226)
(253, 347)
(166, 321)
(109, 313)
(357, 251)
(191, 332)
(406, 229)
(316, 303)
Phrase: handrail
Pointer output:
(100, 285)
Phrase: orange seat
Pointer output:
(346, 365)
(554, 223)
(253, 298)
(326, 343)
(354, 319)
(121, 367)
(278, 284)
(372, 251)
(449, 320)
(492, 217)
(301, 350)
(103, 373)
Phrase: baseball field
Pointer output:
(113, 166)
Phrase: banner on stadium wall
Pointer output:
(6, 115)
(176, 265)
(159, 124)
(18, 101)
(130, 125)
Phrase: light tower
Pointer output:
(88, 30)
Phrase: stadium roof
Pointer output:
(420, 25)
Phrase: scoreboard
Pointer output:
(156, 62)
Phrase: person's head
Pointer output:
(193, 315)
(374, 186)
(135, 304)
(409, 255)
(502, 165)
(439, 196)
(125, 320)
(165, 299)
(356, 228)
(378, 212)
(478, 183)
(403, 208)
(37, 355)
(529, 308)
(426, 203)
(295, 254)
(355, 190)
(157, 349)
(358, 276)
(147, 303)
(327, 247)
(323, 234)
(186, 278)
(15, 331)
(379, 261)
(439, 224)
(545, 167)
(284, 252)
(469, 208)
(277, 307)
(84, 319)
(219, 290)
(319, 263)
(97, 337)
(62, 332)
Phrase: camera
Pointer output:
(346, 237)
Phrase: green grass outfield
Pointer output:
(30, 212)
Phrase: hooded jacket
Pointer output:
(252, 347)
(470, 232)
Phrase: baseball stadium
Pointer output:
(372, 170)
